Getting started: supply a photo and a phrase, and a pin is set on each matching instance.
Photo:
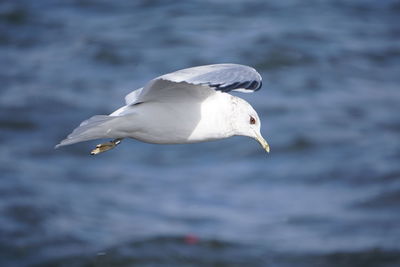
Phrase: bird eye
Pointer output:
(252, 120)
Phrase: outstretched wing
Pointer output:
(219, 77)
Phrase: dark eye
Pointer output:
(252, 120)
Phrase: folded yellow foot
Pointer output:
(100, 148)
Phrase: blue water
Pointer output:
(328, 194)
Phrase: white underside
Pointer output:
(177, 122)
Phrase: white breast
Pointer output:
(216, 120)
(182, 122)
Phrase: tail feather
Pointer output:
(95, 127)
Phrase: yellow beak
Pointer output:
(262, 142)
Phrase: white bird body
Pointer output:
(178, 108)
(201, 122)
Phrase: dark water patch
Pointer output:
(25, 213)
(277, 58)
(373, 257)
(4, 39)
(393, 126)
(9, 254)
(345, 172)
(93, 4)
(368, 258)
(8, 192)
(23, 77)
(356, 112)
(274, 110)
(175, 251)
(105, 51)
(377, 227)
(14, 15)
(95, 7)
(306, 36)
(384, 201)
(173, 40)
(392, 176)
(395, 6)
(300, 143)
(308, 220)
(372, 6)
(193, 220)
(23, 41)
(23, 27)
(17, 125)
(108, 56)
(363, 61)
(31, 253)
(43, 105)
(154, 3)
(312, 84)
(382, 56)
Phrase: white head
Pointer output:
(247, 122)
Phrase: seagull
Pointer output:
(186, 106)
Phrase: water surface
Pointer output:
(328, 194)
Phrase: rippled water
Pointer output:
(327, 195)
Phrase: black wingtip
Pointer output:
(249, 85)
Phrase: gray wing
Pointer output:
(220, 77)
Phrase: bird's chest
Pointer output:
(184, 122)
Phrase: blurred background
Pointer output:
(328, 194)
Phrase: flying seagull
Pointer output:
(186, 106)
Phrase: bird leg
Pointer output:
(100, 148)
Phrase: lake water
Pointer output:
(328, 194)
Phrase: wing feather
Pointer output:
(220, 77)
